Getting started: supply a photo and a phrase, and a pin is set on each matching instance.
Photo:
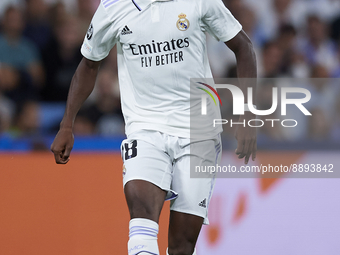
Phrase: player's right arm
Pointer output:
(81, 87)
(99, 40)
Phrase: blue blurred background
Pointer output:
(40, 50)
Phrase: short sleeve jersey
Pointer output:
(160, 46)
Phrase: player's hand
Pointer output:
(62, 145)
(246, 142)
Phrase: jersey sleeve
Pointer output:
(218, 21)
(101, 36)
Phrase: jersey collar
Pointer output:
(143, 4)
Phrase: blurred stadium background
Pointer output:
(80, 209)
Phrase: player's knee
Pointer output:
(144, 200)
(181, 248)
(140, 210)
(182, 244)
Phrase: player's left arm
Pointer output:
(246, 68)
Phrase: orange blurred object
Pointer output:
(72, 209)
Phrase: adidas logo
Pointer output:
(203, 203)
(126, 31)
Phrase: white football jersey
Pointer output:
(161, 45)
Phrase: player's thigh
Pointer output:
(144, 158)
(195, 193)
(146, 174)
(144, 199)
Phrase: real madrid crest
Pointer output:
(183, 23)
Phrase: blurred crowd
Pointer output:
(297, 43)
(40, 50)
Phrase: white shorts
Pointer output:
(164, 160)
